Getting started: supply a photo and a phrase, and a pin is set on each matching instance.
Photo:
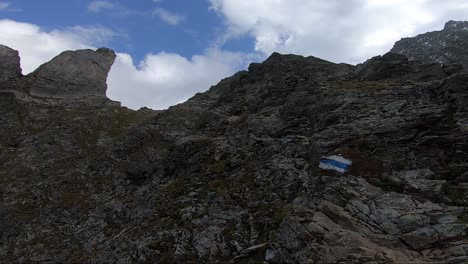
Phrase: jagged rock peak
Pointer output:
(74, 74)
(10, 63)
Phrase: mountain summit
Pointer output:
(449, 45)
(297, 160)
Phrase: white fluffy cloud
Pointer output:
(99, 5)
(337, 30)
(4, 5)
(165, 79)
(47, 45)
(168, 17)
(159, 81)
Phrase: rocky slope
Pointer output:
(235, 174)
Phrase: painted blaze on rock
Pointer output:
(336, 163)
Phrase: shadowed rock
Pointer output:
(74, 74)
(454, 89)
(390, 65)
(10, 63)
(304, 67)
(397, 66)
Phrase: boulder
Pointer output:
(455, 90)
(423, 237)
(420, 238)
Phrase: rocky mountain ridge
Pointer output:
(448, 46)
(235, 175)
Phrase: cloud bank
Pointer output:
(165, 79)
(341, 31)
(4, 5)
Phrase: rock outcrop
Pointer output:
(448, 46)
(9, 63)
(455, 89)
(73, 78)
(73, 74)
(236, 175)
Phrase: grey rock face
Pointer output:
(9, 63)
(447, 46)
(73, 74)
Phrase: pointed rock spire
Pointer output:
(74, 74)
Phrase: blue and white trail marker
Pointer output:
(336, 163)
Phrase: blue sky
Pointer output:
(168, 50)
(139, 30)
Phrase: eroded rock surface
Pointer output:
(232, 175)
